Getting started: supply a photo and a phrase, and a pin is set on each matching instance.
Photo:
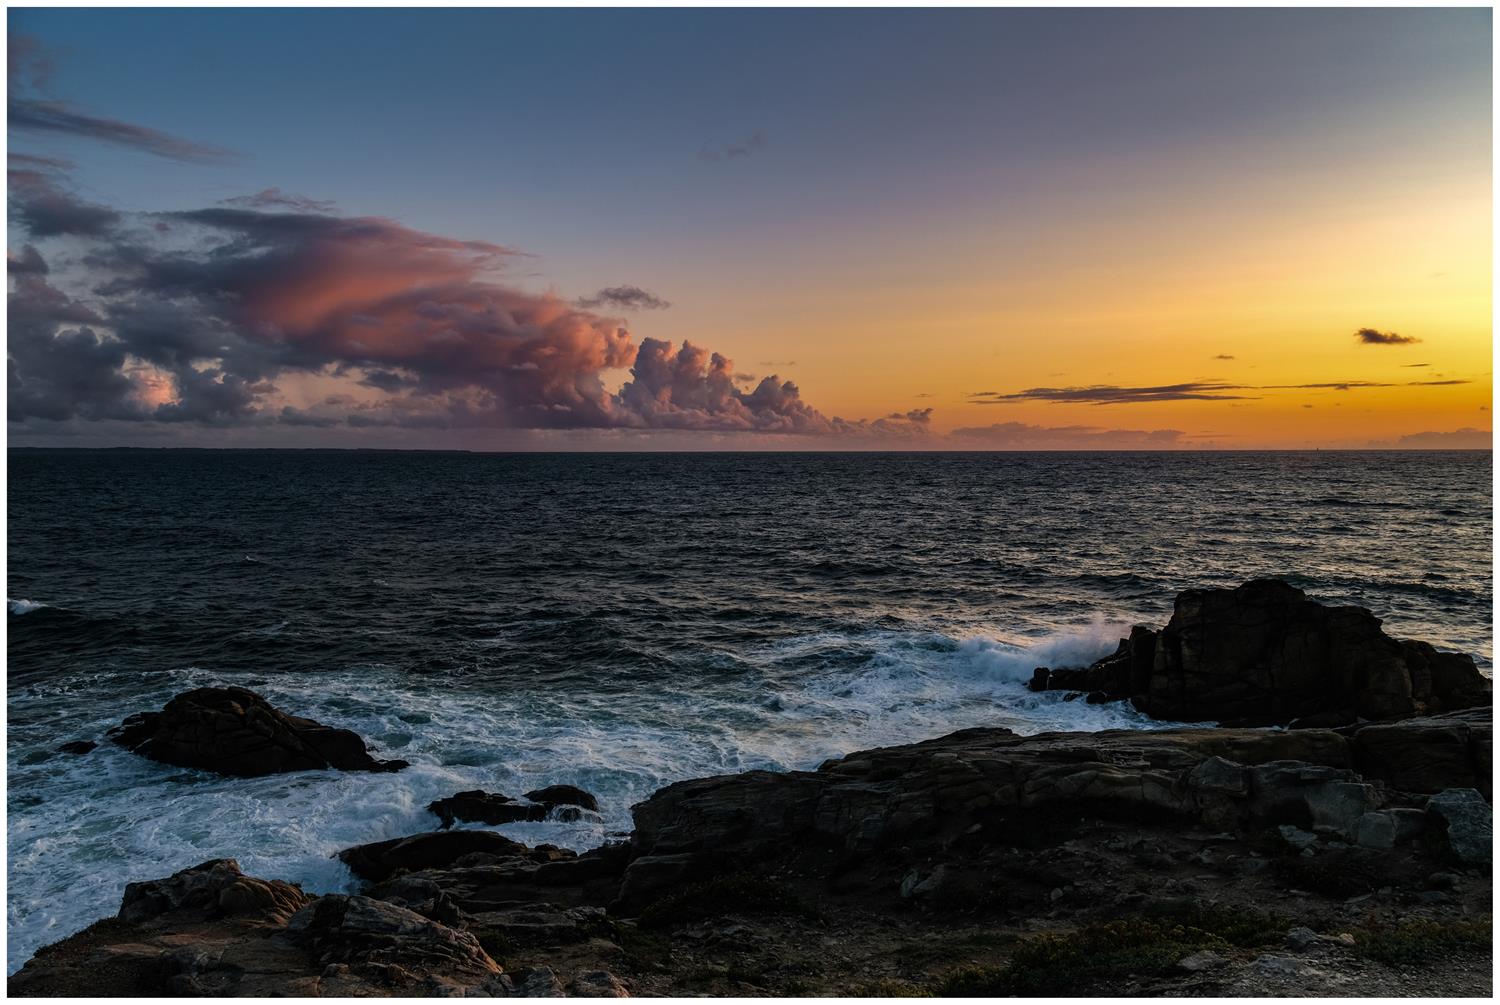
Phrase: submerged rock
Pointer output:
(1264, 654)
(564, 795)
(232, 731)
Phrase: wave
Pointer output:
(110, 817)
(24, 606)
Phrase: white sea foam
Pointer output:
(81, 827)
(23, 606)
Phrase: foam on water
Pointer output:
(23, 606)
(110, 817)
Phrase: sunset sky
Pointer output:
(497, 229)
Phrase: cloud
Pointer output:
(275, 198)
(31, 67)
(1467, 438)
(1221, 355)
(1021, 436)
(1436, 383)
(1372, 336)
(1108, 394)
(29, 261)
(1337, 385)
(208, 316)
(624, 298)
(1408, 366)
(43, 206)
(729, 151)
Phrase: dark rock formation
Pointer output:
(480, 807)
(384, 859)
(1263, 654)
(564, 795)
(237, 732)
(77, 747)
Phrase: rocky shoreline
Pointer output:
(1350, 856)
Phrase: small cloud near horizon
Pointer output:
(1222, 355)
(275, 197)
(1109, 394)
(1373, 336)
(1466, 438)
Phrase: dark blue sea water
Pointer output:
(623, 621)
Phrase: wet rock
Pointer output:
(1468, 818)
(434, 850)
(478, 806)
(77, 747)
(564, 795)
(236, 732)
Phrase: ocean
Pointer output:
(622, 621)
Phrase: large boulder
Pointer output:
(1264, 654)
(233, 731)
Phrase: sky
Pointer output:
(773, 229)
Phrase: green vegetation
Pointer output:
(738, 894)
(1079, 962)
(1422, 941)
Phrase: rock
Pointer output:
(1297, 837)
(77, 747)
(541, 924)
(477, 806)
(1204, 959)
(1468, 817)
(236, 732)
(214, 887)
(1278, 966)
(538, 982)
(598, 984)
(1302, 939)
(361, 933)
(564, 795)
(1263, 654)
(1444, 881)
(437, 849)
(1429, 754)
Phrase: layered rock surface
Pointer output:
(232, 731)
(1264, 654)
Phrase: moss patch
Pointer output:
(1101, 953)
(1422, 942)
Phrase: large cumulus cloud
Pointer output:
(206, 315)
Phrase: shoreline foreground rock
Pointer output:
(1263, 654)
(232, 731)
(1325, 831)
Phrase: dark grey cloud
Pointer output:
(275, 198)
(1437, 383)
(31, 115)
(1408, 366)
(729, 151)
(629, 298)
(1373, 336)
(1337, 385)
(29, 261)
(44, 207)
(1222, 355)
(1109, 394)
